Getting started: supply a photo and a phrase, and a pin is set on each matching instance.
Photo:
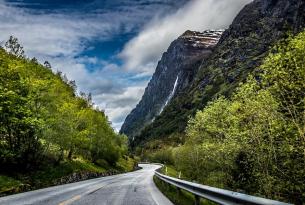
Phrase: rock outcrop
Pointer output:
(240, 51)
(175, 71)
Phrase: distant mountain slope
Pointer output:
(174, 72)
(240, 51)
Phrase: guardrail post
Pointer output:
(197, 200)
(179, 191)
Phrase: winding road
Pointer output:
(134, 188)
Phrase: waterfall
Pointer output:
(170, 95)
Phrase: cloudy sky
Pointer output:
(109, 47)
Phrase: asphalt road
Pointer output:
(134, 188)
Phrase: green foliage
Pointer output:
(8, 184)
(171, 171)
(126, 164)
(178, 197)
(42, 118)
(254, 141)
(164, 156)
(19, 139)
(13, 47)
(49, 174)
(241, 51)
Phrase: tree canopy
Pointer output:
(43, 117)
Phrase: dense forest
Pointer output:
(253, 141)
(44, 121)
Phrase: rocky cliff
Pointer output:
(175, 71)
(239, 52)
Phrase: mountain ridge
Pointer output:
(172, 75)
(240, 51)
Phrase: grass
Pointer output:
(178, 197)
(48, 175)
(170, 170)
(8, 184)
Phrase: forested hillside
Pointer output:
(44, 122)
(240, 123)
(254, 140)
(240, 51)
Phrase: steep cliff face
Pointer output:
(239, 52)
(175, 71)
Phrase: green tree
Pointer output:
(13, 47)
(20, 144)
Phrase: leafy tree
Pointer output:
(284, 73)
(47, 65)
(20, 144)
(13, 47)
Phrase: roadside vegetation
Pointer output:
(47, 129)
(254, 141)
(178, 197)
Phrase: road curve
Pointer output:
(134, 188)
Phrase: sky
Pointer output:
(109, 47)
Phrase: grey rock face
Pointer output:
(174, 72)
(240, 51)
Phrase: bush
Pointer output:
(164, 156)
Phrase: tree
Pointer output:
(284, 75)
(13, 47)
(47, 65)
(20, 145)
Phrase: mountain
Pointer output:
(240, 51)
(175, 71)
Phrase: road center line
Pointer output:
(75, 198)
(78, 197)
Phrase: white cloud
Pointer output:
(118, 106)
(146, 48)
(52, 34)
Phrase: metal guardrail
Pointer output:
(219, 196)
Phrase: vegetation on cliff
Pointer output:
(253, 141)
(240, 51)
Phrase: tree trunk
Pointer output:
(61, 157)
(70, 154)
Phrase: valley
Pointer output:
(224, 110)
